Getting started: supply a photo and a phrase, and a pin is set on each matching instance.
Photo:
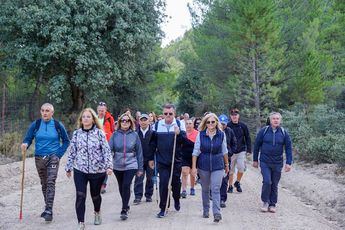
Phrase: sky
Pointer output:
(178, 20)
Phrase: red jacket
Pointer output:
(108, 125)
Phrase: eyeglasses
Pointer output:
(166, 114)
(125, 121)
(102, 104)
(210, 122)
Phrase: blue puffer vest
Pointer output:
(211, 157)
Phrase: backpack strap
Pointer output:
(266, 129)
(56, 124)
(37, 125)
(156, 126)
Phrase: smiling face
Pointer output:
(125, 123)
(47, 112)
(169, 114)
(211, 123)
(144, 123)
(189, 125)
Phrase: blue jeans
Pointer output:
(271, 174)
(139, 183)
(224, 188)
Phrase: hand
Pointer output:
(109, 172)
(287, 168)
(139, 173)
(177, 130)
(255, 164)
(151, 164)
(69, 174)
(193, 172)
(226, 169)
(24, 146)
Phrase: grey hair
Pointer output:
(169, 106)
(275, 113)
(48, 105)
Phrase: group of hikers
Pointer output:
(208, 149)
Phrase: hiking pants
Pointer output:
(80, 180)
(47, 168)
(164, 175)
(124, 180)
(139, 183)
(271, 174)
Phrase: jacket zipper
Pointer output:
(124, 149)
(211, 155)
(87, 150)
(274, 138)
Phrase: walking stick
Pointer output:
(156, 179)
(22, 185)
(171, 175)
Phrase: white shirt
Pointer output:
(144, 131)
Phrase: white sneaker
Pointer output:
(264, 207)
(81, 226)
(272, 209)
(98, 218)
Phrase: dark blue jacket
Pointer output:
(163, 143)
(271, 146)
(242, 136)
(47, 138)
(148, 151)
(211, 157)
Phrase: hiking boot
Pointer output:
(148, 199)
(205, 214)
(161, 214)
(238, 186)
(98, 218)
(230, 189)
(192, 192)
(184, 194)
(272, 209)
(137, 201)
(81, 226)
(217, 217)
(222, 204)
(103, 188)
(124, 214)
(48, 216)
(177, 205)
(264, 207)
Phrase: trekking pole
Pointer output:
(171, 175)
(156, 178)
(22, 185)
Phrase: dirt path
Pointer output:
(242, 211)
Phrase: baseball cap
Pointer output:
(223, 119)
(144, 115)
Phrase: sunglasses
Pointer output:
(210, 122)
(166, 114)
(102, 104)
(125, 121)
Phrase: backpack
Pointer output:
(177, 122)
(56, 124)
(266, 129)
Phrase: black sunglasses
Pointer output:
(102, 104)
(125, 121)
(166, 114)
(210, 122)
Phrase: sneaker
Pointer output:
(43, 213)
(81, 226)
(217, 217)
(177, 205)
(137, 201)
(238, 186)
(124, 214)
(222, 204)
(98, 218)
(230, 189)
(192, 192)
(184, 194)
(264, 207)
(48, 216)
(161, 214)
(205, 214)
(148, 199)
(272, 209)
(103, 188)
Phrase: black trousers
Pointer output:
(124, 179)
(139, 183)
(164, 174)
(80, 180)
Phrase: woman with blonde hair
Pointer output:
(90, 159)
(128, 158)
(211, 151)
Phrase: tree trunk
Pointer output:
(3, 108)
(77, 98)
(32, 108)
(255, 74)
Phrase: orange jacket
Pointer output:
(108, 125)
